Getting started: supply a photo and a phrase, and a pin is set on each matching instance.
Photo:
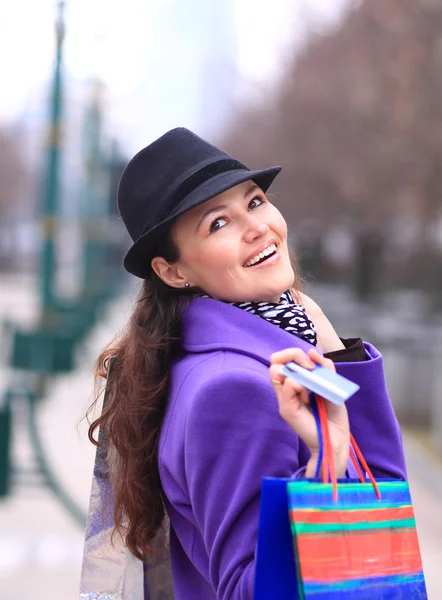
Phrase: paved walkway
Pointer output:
(41, 546)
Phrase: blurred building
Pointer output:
(216, 51)
(190, 68)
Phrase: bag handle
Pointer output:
(326, 457)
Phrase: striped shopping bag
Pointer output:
(327, 540)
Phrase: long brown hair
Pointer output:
(136, 396)
(137, 366)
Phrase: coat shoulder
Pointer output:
(195, 371)
(212, 381)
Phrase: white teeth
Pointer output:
(261, 255)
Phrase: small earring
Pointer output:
(187, 284)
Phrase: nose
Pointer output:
(255, 230)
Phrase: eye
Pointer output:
(255, 202)
(217, 224)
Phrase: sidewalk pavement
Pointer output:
(425, 477)
(40, 544)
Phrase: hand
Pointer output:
(293, 400)
(328, 339)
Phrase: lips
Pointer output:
(261, 255)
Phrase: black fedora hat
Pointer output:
(175, 173)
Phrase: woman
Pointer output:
(199, 411)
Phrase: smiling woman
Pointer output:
(196, 410)
(234, 247)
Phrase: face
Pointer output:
(234, 247)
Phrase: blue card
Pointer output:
(322, 381)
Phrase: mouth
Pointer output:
(261, 257)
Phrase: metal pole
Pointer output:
(51, 186)
(5, 441)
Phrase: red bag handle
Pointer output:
(328, 458)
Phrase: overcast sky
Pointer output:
(111, 39)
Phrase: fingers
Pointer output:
(292, 396)
(319, 359)
(308, 361)
(292, 401)
(292, 391)
(292, 354)
(280, 382)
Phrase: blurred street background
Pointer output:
(345, 94)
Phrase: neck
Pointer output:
(273, 299)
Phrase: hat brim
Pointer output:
(139, 256)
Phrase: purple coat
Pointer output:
(222, 433)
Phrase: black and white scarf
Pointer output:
(286, 314)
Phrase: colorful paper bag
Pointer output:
(358, 547)
(347, 539)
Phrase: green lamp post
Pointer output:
(51, 184)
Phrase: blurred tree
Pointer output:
(12, 172)
(356, 124)
(14, 180)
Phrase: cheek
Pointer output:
(212, 259)
(279, 224)
(221, 253)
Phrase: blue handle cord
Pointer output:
(318, 425)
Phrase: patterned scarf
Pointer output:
(286, 314)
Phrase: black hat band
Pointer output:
(188, 182)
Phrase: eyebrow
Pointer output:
(220, 207)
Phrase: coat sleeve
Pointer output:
(234, 436)
(372, 419)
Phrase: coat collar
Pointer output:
(210, 325)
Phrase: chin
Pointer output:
(272, 293)
(280, 284)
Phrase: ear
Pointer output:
(169, 273)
